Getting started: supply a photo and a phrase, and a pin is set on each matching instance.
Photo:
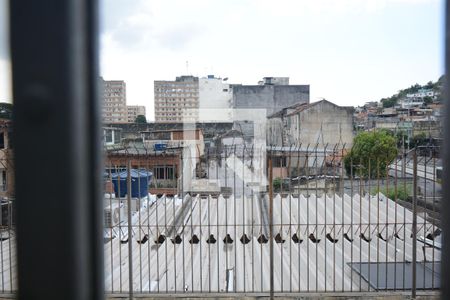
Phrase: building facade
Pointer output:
(317, 124)
(272, 94)
(134, 111)
(114, 102)
(177, 101)
(215, 99)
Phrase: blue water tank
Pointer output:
(160, 147)
(140, 180)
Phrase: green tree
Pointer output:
(420, 139)
(371, 154)
(141, 119)
(401, 136)
(277, 183)
(389, 102)
(427, 100)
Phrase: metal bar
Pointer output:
(414, 227)
(370, 214)
(130, 232)
(62, 105)
(281, 218)
(300, 295)
(234, 216)
(120, 237)
(307, 216)
(378, 218)
(351, 220)
(271, 225)
(244, 227)
(360, 219)
(298, 218)
(288, 175)
(209, 224)
(395, 221)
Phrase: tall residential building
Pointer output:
(134, 111)
(114, 102)
(177, 101)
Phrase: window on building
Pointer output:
(117, 136)
(4, 180)
(164, 172)
(108, 136)
(2, 140)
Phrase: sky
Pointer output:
(348, 51)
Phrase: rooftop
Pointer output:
(223, 245)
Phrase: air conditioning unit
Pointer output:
(114, 215)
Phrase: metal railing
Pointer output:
(275, 221)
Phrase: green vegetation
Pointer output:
(435, 86)
(427, 100)
(391, 101)
(404, 192)
(277, 184)
(141, 119)
(420, 139)
(371, 154)
(401, 138)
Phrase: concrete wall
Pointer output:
(210, 130)
(270, 97)
(214, 94)
(275, 132)
(322, 123)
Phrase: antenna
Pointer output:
(187, 67)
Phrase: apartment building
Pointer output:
(134, 111)
(177, 101)
(114, 102)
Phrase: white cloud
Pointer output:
(313, 42)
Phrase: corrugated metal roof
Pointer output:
(359, 229)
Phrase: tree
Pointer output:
(389, 102)
(371, 154)
(427, 100)
(277, 182)
(141, 119)
(402, 138)
(420, 139)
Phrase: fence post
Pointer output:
(130, 233)
(414, 226)
(271, 224)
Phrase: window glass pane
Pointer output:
(256, 108)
